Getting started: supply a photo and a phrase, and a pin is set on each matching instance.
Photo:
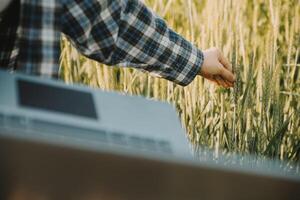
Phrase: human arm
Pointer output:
(127, 33)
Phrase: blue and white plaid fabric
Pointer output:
(114, 32)
(39, 37)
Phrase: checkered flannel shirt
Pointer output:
(114, 32)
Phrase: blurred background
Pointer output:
(261, 114)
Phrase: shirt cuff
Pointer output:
(189, 66)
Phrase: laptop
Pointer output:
(61, 141)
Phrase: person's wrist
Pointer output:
(201, 62)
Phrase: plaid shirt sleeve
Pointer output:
(127, 33)
(39, 38)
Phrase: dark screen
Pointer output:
(51, 98)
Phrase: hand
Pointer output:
(216, 68)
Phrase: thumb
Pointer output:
(227, 75)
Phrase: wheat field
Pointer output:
(261, 114)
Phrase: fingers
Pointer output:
(220, 82)
(226, 72)
(227, 75)
(223, 83)
(229, 84)
(225, 62)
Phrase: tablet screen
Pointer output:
(56, 99)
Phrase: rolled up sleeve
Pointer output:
(127, 33)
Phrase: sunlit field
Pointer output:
(261, 38)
